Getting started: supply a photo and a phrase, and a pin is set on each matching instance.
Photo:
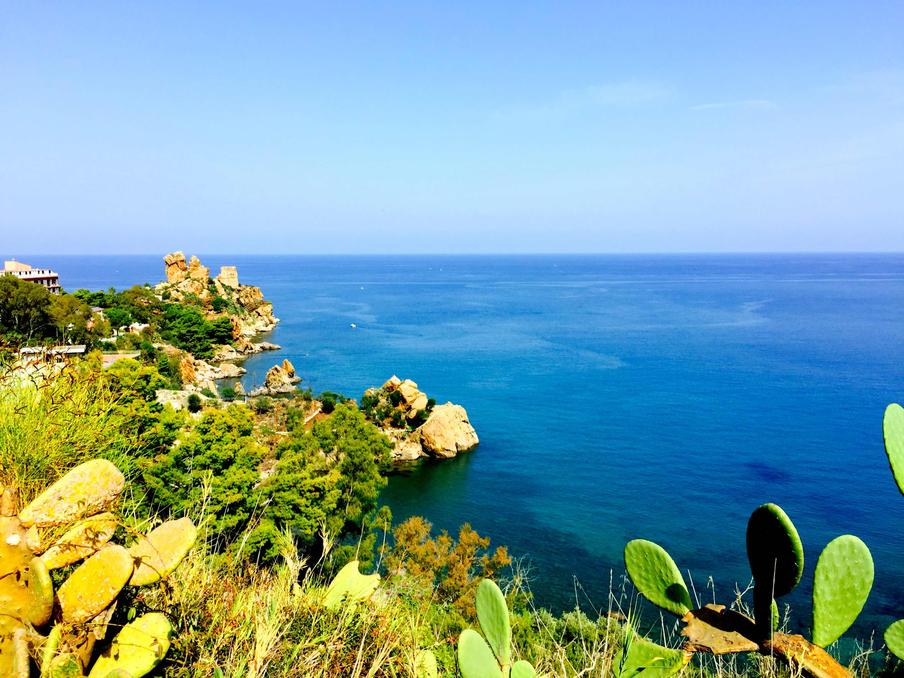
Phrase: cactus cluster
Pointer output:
(490, 655)
(76, 615)
(893, 429)
(842, 582)
(350, 587)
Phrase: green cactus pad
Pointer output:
(350, 586)
(841, 585)
(774, 550)
(523, 669)
(894, 639)
(648, 659)
(425, 664)
(41, 593)
(656, 576)
(81, 541)
(492, 612)
(137, 649)
(475, 658)
(95, 584)
(893, 429)
(85, 490)
(159, 552)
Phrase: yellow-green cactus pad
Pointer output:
(26, 592)
(475, 658)
(894, 639)
(656, 576)
(523, 669)
(95, 583)
(425, 664)
(841, 585)
(81, 541)
(350, 586)
(137, 649)
(893, 429)
(648, 659)
(159, 552)
(83, 491)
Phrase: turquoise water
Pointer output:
(615, 396)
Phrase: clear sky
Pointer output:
(415, 127)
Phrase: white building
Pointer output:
(40, 276)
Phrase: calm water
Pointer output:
(615, 396)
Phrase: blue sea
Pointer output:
(615, 397)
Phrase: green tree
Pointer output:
(23, 309)
(71, 318)
(217, 461)
(194, 403)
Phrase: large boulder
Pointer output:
(175, 267)
(447, 431)
(405, 447)
(280, 379)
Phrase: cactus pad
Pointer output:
(64, 666)
(774, 550)
(894, 639)
(841, 585)
(95, 583)
(159, 552)
(81, 541)
(83, 491)
(492, 612)
(425, 664)
(137, 649)
(523, 669)
(656, 576)
(893, 429)
(648, 658)
(350, 586)
(475, 658)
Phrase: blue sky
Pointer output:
(457, 127)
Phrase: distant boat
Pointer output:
(354, 326)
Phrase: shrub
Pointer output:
(327, 404)
(262, 405)
(227, 393)
(194, 403)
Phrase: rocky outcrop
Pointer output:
(228, 277)
(200, 374)
(413, 422)
(447, 431)
(280, 379)
(242, 349)
(175, 267)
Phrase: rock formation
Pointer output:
(279, 379)
(175, 267)
(417, 428)
(229, 277)
(447, 431)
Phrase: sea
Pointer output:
(616, 397)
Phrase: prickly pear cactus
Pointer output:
(88, 597)
(776, 557)
(640, 657)
(894, 638)
(479, 658)
(893, 430)
(656, 576)
(841, 585)
(158, 553)
(425, 664)
(492, 613)
(349, 586)
(137, 649)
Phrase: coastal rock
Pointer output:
(447, 431)
(197, 272)
(392, 383)
(280, 379)
(228, 277)
(175, 267)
